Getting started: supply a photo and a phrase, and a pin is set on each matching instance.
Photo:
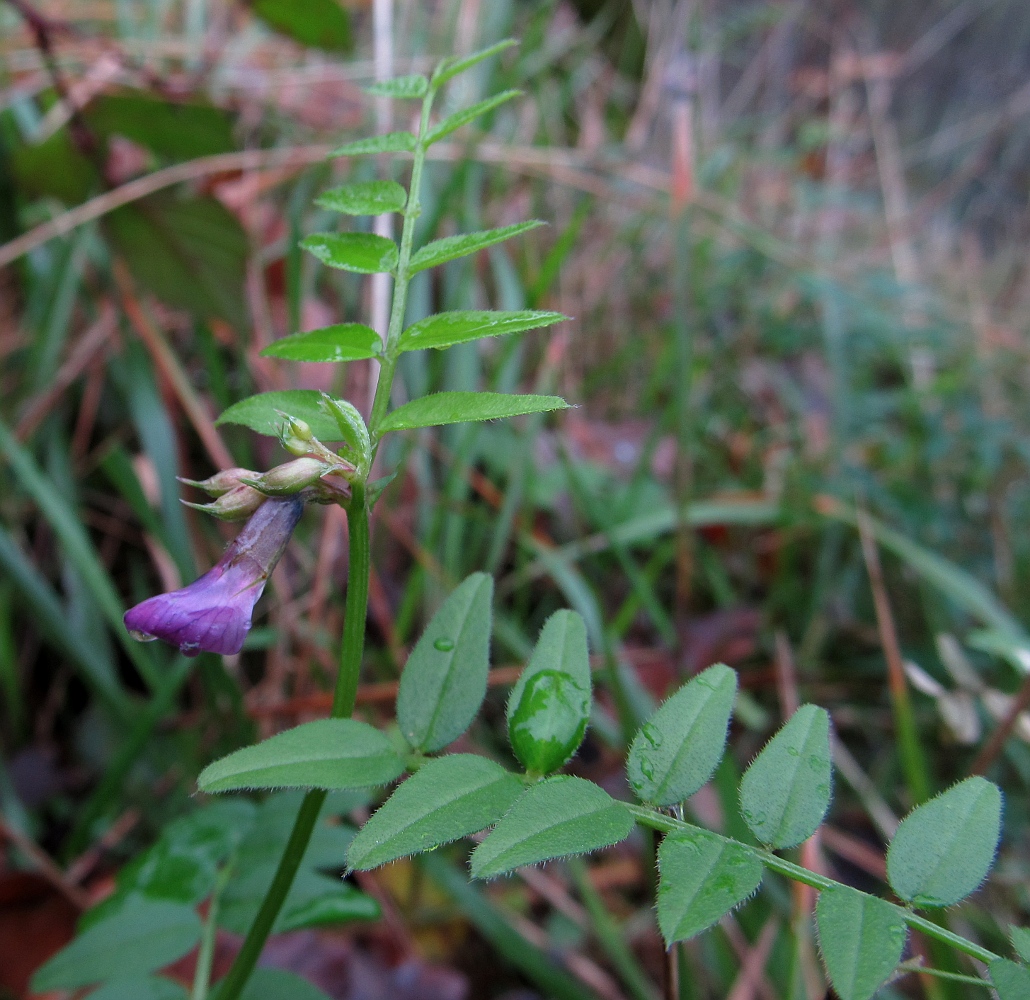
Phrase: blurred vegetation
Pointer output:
(793, 240)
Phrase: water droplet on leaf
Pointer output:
(444, 645)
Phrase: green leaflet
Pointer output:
(145, 988)
(444, 681)
(323, 24)
(450, 328)
(452, 247)
(401, 87)
(141, 936)
(342, 342)
(261, 413)
(361, 253)
(364, 198)
(328, 753)
(678, 749)
(549, 706)
(785, 792)
(450, 68)
(1021, 942)
(1011, 980)
(944, 848)
(703, 877)
(391, 142)
(466, 115)
(861, 939)
(458, 407)
(444, 800)
(555, 817)
(278, 984)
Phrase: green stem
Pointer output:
(667, 824)
(206, 955)
(358, 572)
(955, 977)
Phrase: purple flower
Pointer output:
(213, 613)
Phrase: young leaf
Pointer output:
(1021, 941)
(675, 752)
(391, 142)
(944, 848)
(444, 800)
(449, 328)
(352, 427)
(549, 706)
(261, 413)
(323, 24)
(703, 877)
(555, 817)
(861, 938)
(147, 988)
(444, 680)
(450, 68)
(141, 936)
(453, 247)
(342, 342)
(457, 407)
(329, 753)
(466, 115)
(785, 792)
(1010, 979)
(364, 198)
(362, 253)
(401, 87)
(278, 984)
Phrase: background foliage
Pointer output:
(813, 306)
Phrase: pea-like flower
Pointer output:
(213, 614)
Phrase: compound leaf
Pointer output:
(444, 800)
(677, 750)
(142, 935)
(785, 792)
(328, 753)
(944, 848)
(703, 877)
(458, 407)
(452, 247)
(553, 818)
(444, 680)
(449, 328)
(360, 253)
(364, 198)
(861, 938)
(341, 342)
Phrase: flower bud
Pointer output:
(236, 505)
(221, 482)
(290, 478)
(296, 435)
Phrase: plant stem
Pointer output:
(358, 572)
(667, 824)
(206, 955)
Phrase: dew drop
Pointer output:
(652, 734)
(444, 645)
(793, 751)
(142, 636)
(646, 768)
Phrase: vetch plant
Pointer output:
(260, 865)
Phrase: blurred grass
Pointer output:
(792, 238)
